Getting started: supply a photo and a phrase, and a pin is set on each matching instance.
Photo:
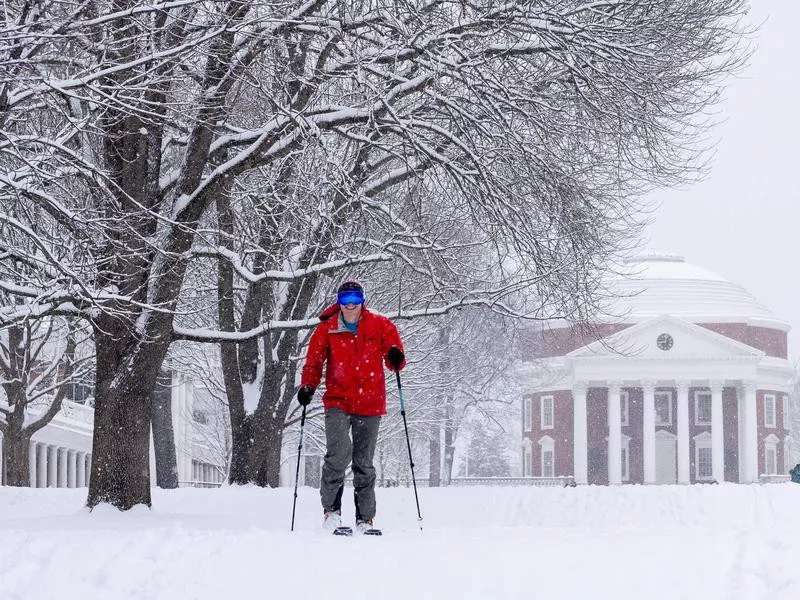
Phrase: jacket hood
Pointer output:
(329, 312)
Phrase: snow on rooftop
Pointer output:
(662, 265)
(659, 283)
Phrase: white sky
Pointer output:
(742, 221)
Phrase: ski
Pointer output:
(348, 531)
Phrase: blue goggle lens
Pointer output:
(350, 297)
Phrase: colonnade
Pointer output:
(747, 433)
(55, 466)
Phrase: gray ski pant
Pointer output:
(340, 451)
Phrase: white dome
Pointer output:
(656, 284)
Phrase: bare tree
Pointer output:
(463, 364)
(38, 361)
(532, 126)
(486, 452)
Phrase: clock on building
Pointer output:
(664, 341)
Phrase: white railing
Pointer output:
(773, 478)
(69, 410)
(77, 412)
(389, 483)
(199, 484)
(566, 481)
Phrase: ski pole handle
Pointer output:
(400, 391)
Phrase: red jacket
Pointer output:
(354, 377)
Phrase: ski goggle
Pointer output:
(350, 297)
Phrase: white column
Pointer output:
(580, 436)
(32, 463)
(182, 407)
(750, 433)
(52, 466)
(717, 437)
(614, 435)
(683, 432)
(62, 467)
(649, 431)
(80, 469)
(740, 433)
(41, 465)
(71, 464)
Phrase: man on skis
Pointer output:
(355, 343)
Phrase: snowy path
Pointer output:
(700, 542)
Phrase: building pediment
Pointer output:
(546, 440)
(703, 438)
(664, 435)
(666, 338)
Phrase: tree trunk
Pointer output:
(120, 456)
(449, 441)
(435, 456)
(126, 376)
(264, 466)
(446, 413)
(164, 434)
(274, 443)
(16, 451)
(241, 442)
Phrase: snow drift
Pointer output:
(704, 542)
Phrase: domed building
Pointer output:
(688, 384)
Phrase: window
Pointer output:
(704, 464)
(547, 412)
(787, 454)
(80, 391)
(703, 457)
(547, 462)
(527, 411)
(771, 454)
(787, 422)
(771, 460)
(702, 408)
(548, 456)
(626, 453)
(769, 410)
(663, 408)
(527, 461)
(624, 408)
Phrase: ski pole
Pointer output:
(408, 442)
(297, 472)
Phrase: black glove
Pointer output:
(304, 395)
(395, 357)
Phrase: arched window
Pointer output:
(771, 454)
(703, 465)
(548, 466)
(527, 458)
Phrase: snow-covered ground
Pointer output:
(647, 543)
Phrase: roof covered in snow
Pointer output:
(657, 283)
